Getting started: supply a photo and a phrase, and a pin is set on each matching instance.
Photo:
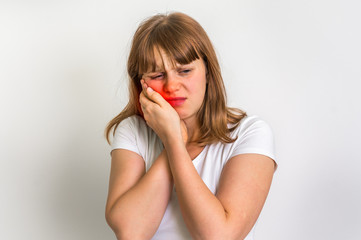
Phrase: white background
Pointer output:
(296, 64)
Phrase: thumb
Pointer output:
(155, 96)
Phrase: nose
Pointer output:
(172, 84)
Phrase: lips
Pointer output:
(176, 101)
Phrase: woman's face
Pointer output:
(182, 86)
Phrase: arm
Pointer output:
(137, 200)
(243, 187)
(231, 214)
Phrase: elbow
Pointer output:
(216, 236)
(110, 219)
(113, 222)
(209, 233)
(121, 227)
(225, 232)
(219, 235)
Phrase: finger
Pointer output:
(144, 87)
(143, 84)
(143, 99)
(144, 104)
(155, 96)
(152, 95)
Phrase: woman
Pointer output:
(184, 165)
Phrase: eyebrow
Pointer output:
(155, 71)
(183, 66)
(159, 69)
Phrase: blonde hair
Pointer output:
(184, 40)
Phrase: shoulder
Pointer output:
(254, 135)
(134, 125)
(128, 132)
(135, 135)
(251, 125)
(133, 121)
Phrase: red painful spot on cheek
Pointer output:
(161, 93)
(156, 88)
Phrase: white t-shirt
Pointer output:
(254, 136)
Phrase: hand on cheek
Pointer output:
(145, 87)
(158, 113)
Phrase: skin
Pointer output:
(137, 199)
(184, 81)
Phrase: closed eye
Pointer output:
(157, 76)
(185, 71)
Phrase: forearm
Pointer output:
(202, 212)
(137, 213)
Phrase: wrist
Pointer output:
(174, 147)
(162, 163)
(172, 141)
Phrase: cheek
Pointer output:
(197, 85)
(156, 86)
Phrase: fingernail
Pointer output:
(149, 90)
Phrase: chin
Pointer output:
(181, 115)
(184, 116)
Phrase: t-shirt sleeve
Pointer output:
(125, 136)
(255, 136)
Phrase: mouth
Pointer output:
(176, 102)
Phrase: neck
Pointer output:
(192, 129)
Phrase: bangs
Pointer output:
(179, 47)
